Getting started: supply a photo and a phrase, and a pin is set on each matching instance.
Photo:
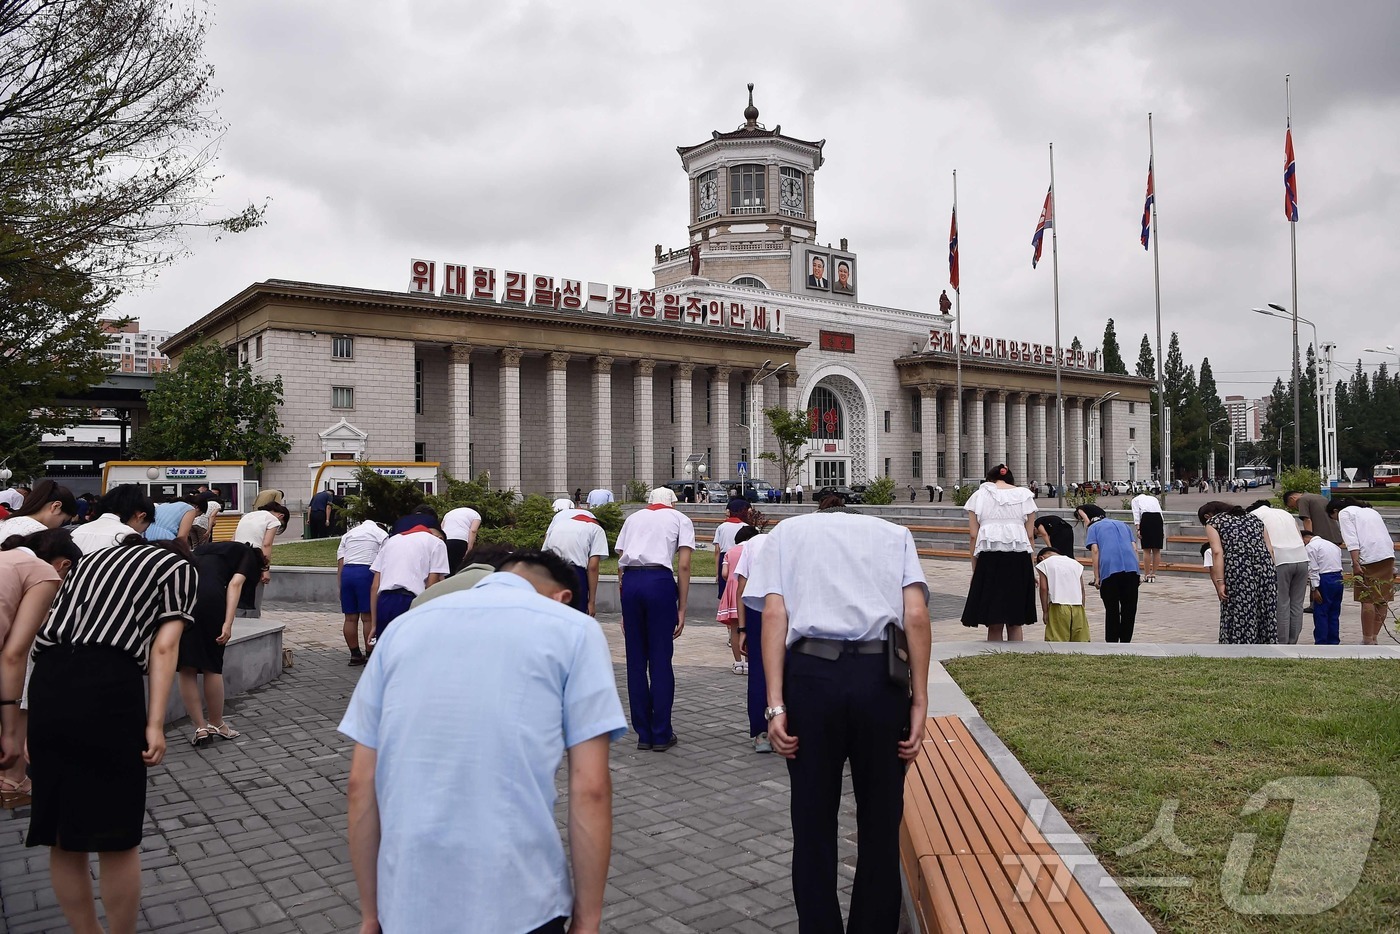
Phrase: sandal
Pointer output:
(15, 794)
(202, 735)
(225, 731)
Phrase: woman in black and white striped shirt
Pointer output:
(91, 734)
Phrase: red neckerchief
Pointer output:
(659, 506)
(585, 518)
(734, 519)
(416, 528)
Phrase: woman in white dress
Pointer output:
(1001, 526)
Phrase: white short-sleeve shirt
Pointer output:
(752, 549)
(458, 523)
(1323, 558)
(252, 528)
(1001, 517)
(405, 561)
(1283, 535)
(1065, 577)
(877, 559)
(725, 532)
(653, 535)
(577, 540)
(361, 544)
(102, 532)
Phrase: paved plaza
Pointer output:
(249, 835)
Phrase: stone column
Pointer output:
(1074, 442)
(459, 402)
(1016, 439)
(510, 418)
(976, 434)
(720, 466)
(952, 441)
(556, 394)
(602, 423)
(996, 428)
(644, 428)
(685, 419)
(928, 433)
(787, 389)
(1036, 436)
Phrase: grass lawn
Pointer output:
(1111, 739)
(320, 553)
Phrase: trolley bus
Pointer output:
(1386, 474)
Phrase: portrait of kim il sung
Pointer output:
(817, 274)
(845, 280)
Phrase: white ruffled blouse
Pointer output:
(1001, 515)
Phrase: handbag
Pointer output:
(897, 657)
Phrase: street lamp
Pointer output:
(1091, 448)
(1328, 470)
(1210, 472)
(1297, 379)
(1389, 351)
(759, 376)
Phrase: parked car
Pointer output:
(1122, 487)
(852, 497)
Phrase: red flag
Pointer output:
(1290, 180)
(953, 252)
(1047, 219)
(1147, 208)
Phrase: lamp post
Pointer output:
(1091, 447)
(1297, 379)
(759, 376)
(1389, 351)
(1328, 469)
(1210, 443)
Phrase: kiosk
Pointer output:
(339, 475)
(166, 481)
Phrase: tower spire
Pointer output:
(751, 112)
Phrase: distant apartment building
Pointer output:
(1245, 416)
(132, 350)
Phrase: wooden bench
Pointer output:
(973, 860)
(224, 527)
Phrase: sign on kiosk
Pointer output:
(479, 284)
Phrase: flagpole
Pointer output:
(1059, 391)
(957, 348)
(1164, 430)
(1297, 369)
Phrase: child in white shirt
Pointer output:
(1061, 581)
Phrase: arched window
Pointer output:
(824, 417)
(748, 189)
(751, 281)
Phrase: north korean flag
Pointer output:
(1047, 219)
(1147, 208)
(953, 252)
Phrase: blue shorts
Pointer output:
(354, 588)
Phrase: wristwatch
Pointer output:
(770, 712)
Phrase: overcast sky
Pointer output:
(541, 136)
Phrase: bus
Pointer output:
(1253, 476)
(1386, 474)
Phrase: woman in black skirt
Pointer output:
(91, 735)
(223, 567)
(1001, 525)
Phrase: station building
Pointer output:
(552, 384)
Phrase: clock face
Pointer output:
(709, 196)
(791, 193)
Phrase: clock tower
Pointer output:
(752, 212)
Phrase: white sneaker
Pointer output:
(761, 744)
(745, 666)
(740, 668)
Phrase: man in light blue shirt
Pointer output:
(460, 720)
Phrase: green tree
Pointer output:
(879, 492)
(1147, 360)
(497, 507)
(1075, 344)
(791, 429)
(380, 498)
(1112, 355)
(1218, 436)
(211, 408)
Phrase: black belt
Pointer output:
(647, 567)
(832, 649)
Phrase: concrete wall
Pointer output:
(252, 658)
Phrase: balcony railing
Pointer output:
(793, 212)
(749, 209)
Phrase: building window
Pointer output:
(942, 464)
(744, 403)
(257, 347)
(917, 469)
(747, 189)
(673, 460)
(243, 353)
(709, 399)
(471, 459)
(706, 195)
(887, 421)
(962, 467)
(1132, 407)
(417, 386)
(420, 451)
(916, 413)
(342, 348)
(342, 397)
(753, 282)
(1132, 434)
(887, 466)
(673, 416)
(824, 417)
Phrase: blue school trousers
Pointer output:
(650, 601)
(1327, 614)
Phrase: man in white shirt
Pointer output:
(356, 553)
(797, 491)
(581, 542)
(1290, 568)
(460, 526)
(599, 497)
(832, 697)
(724, 536)
(1325, 578)
(653, 611)
(1366, 537)
(407, 564)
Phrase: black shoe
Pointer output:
(357, 659)
(662, 747)
(642, 745)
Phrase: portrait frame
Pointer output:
(850, 263)
(811, 279)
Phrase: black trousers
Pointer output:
(845, 710)
(1120, 601)
(456, 551)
